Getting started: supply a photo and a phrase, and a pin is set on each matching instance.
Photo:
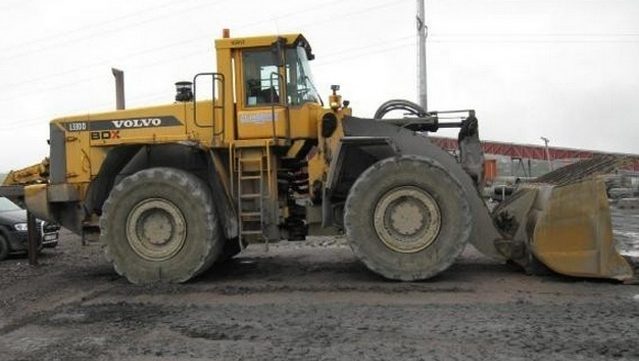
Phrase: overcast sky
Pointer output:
(564, 69)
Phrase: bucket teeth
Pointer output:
(583, 169)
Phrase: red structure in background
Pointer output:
(490, 170)
(525, 151)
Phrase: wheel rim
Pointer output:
(156, 229)
(407, 219)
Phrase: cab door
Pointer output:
(262, 107)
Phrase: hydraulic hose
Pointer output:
(400, 104)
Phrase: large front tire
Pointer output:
(159, 225)
(407, 218)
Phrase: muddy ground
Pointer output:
(313, 301)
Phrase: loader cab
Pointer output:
(275, 97)
(263, 77)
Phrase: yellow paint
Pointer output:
(253, 41)
(573, 233)
(216, 124)
(225, 125)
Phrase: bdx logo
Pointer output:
(105, 134)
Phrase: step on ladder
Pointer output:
(251, 184)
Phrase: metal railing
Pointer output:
(215, 77)
(280, 80)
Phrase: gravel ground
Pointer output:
(313, 301)
(625, 225)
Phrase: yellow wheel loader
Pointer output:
(174, 188)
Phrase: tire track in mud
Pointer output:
(339, 331)
(309, 302)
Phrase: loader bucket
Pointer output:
(562, 220)
(573, 232)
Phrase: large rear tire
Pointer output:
(159, 225)
(407, 218)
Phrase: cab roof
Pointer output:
(264, 41)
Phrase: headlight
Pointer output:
(22, 227)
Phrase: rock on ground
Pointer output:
(628, 203)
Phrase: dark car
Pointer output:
(13, 230)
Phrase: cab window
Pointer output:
(299, 80)
(261, 81)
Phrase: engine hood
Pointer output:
(10, 218)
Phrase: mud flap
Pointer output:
(573, 232)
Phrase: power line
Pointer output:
(32, 121)
(11, 5)
(25, 123)
(321, 64)
(535, 34)
(182, 43)
(324, 5)
(368, 46)
(76, 82)
(91, 36)
(378, 51)
(72, 31)
(180, 57)
(151, 50)
(316, 65)
(627, 37)
(38, 120)
(436, 39)
(101, 63)
(363, 11)
(138, 23)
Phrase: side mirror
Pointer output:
(278, 51)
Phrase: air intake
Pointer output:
(184, 91)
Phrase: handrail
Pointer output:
(280, 79)
(215, 78)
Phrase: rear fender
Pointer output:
(124, 161)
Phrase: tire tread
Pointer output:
(197, 188)
(363, 185)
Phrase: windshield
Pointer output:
(301, 88)
(6, 205)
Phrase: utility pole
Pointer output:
(422, 33)
(546, 141)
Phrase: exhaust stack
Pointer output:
(119, 88)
